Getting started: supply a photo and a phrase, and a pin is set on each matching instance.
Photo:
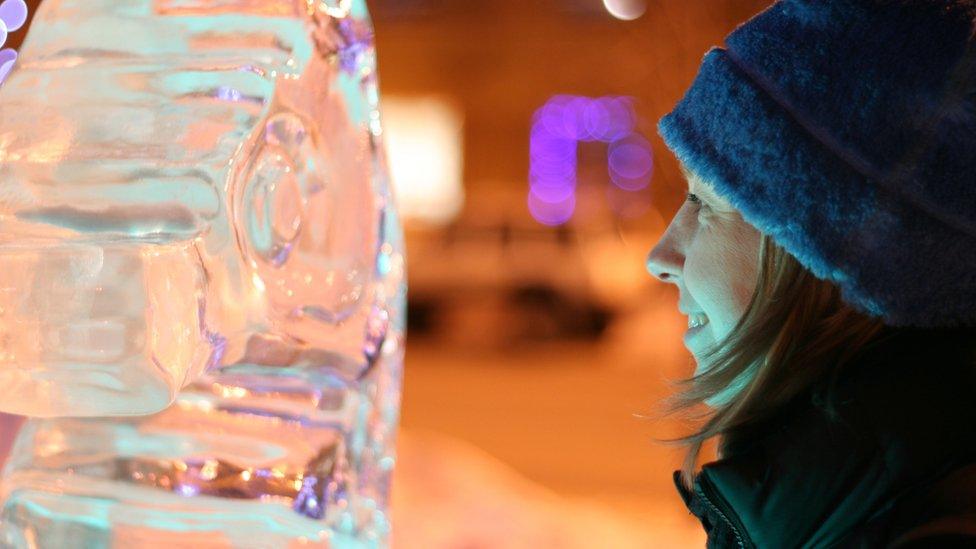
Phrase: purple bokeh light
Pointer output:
(13, 15)
(557, 129)
(631, 162)
(552, 213)
(227, 93)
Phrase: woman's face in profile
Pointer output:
(712, 255)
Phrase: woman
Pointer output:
(828, 246)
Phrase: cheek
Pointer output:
(706, 273)
(721, 268)
(744, 262)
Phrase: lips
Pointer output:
(693, 334)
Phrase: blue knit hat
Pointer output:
(846, 131)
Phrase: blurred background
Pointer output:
(532, 183)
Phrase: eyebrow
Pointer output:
(704, 191)
(700, 189)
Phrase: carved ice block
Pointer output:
(194, 206)
(187, 185)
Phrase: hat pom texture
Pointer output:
(846, 130)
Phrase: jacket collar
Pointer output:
(906, 412)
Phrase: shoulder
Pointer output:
(941, 515)
(945, 532)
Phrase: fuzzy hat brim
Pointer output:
(887, 259)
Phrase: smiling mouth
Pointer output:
(697, 323)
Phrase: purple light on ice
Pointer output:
(13, 13)
(306, 502)
(7, 59)
(552, 193)
(187, 490)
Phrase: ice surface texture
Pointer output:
(187, 185)
(194, 206)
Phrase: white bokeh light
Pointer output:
(628, 10)
(424, 146)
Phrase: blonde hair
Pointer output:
(795, 333)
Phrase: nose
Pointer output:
(665, 261)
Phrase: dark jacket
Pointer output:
(897, 468)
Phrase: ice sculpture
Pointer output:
(194, 206)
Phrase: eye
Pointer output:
(695, 199)
(701, 208)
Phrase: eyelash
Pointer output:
(694, 199)
(702, 208)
